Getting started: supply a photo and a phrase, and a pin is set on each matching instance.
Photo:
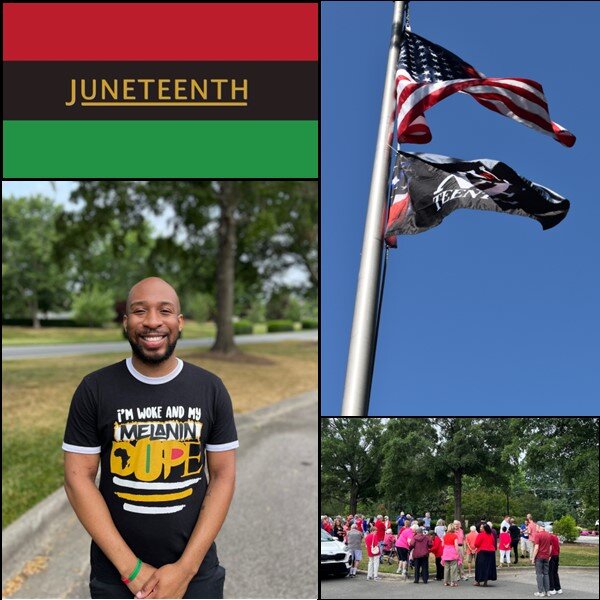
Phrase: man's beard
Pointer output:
(153, 360)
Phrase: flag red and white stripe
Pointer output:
(425, 76)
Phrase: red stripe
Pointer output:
(523, 113)
(405, 133)
(161, 31)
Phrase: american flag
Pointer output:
(428, 73)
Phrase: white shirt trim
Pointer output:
(80, 449)
(154, 380)
(222, 447)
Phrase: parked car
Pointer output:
(547, 525)
(335, 556)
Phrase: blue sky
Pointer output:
(486, 314)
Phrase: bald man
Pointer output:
(156, 424)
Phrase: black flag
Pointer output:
(427, 187)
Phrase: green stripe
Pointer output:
(148, 458)
(160, 149)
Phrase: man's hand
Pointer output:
(146, 571)
(170, 581)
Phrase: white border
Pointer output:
(222, 447)
(80, 449)
(154, 380)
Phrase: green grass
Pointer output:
(36, 395)
(13, 336)
(22, 336)
(571, 555)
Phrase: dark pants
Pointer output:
(209, 585)
(439, 570)
(422, 568)
(553, 574)
(515, 547)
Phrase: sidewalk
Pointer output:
(45, 553)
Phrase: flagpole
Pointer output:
(359, 369)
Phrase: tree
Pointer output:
(468, 447)
(222, 223)
(407, 464)
(29, 274)
(350, 460)
(569, 448)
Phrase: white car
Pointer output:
(335, 556)
(547, 525)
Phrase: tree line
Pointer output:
(228, 241)
(461, 467)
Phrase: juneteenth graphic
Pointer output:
(160, 90)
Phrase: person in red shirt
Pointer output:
(380, 532)
(553, 567)
(373, 553)
(325, 524)
(541, 557)
(504, 546)
(437, 549)
(485, 562)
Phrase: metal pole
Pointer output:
(359, 370)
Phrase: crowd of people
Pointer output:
(458, 554)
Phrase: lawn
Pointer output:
(571, 555)
(19, 336)
(37, 393)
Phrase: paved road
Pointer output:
(51, 350)
(276, 487)
(587, 539)
(575, 584)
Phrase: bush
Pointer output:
(566, 527)
(200, 307)
(310, 324)
(93, 308)
(243, 327)
(274, 326)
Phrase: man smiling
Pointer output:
(155, 423)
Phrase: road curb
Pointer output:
(23, 539)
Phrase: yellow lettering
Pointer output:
(146, 82)
(106, 89)
(128, 88)
(243, 88)
(92, 96)
(179, 89)
(163, 89)
(219, 82)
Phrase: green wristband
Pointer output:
(134, 573)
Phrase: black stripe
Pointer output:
(276, 90)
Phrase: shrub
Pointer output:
(566, 527)
(200, 306)
(274, 326)
(93, 308)
(243, 327)
(310, 324)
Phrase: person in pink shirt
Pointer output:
(373, 553)
(504, 546)
(532, 530)
(553, 568)
(403, 548)
(460, 538)
(470, 546)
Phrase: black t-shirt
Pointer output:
(152, 434)
(515, 533)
